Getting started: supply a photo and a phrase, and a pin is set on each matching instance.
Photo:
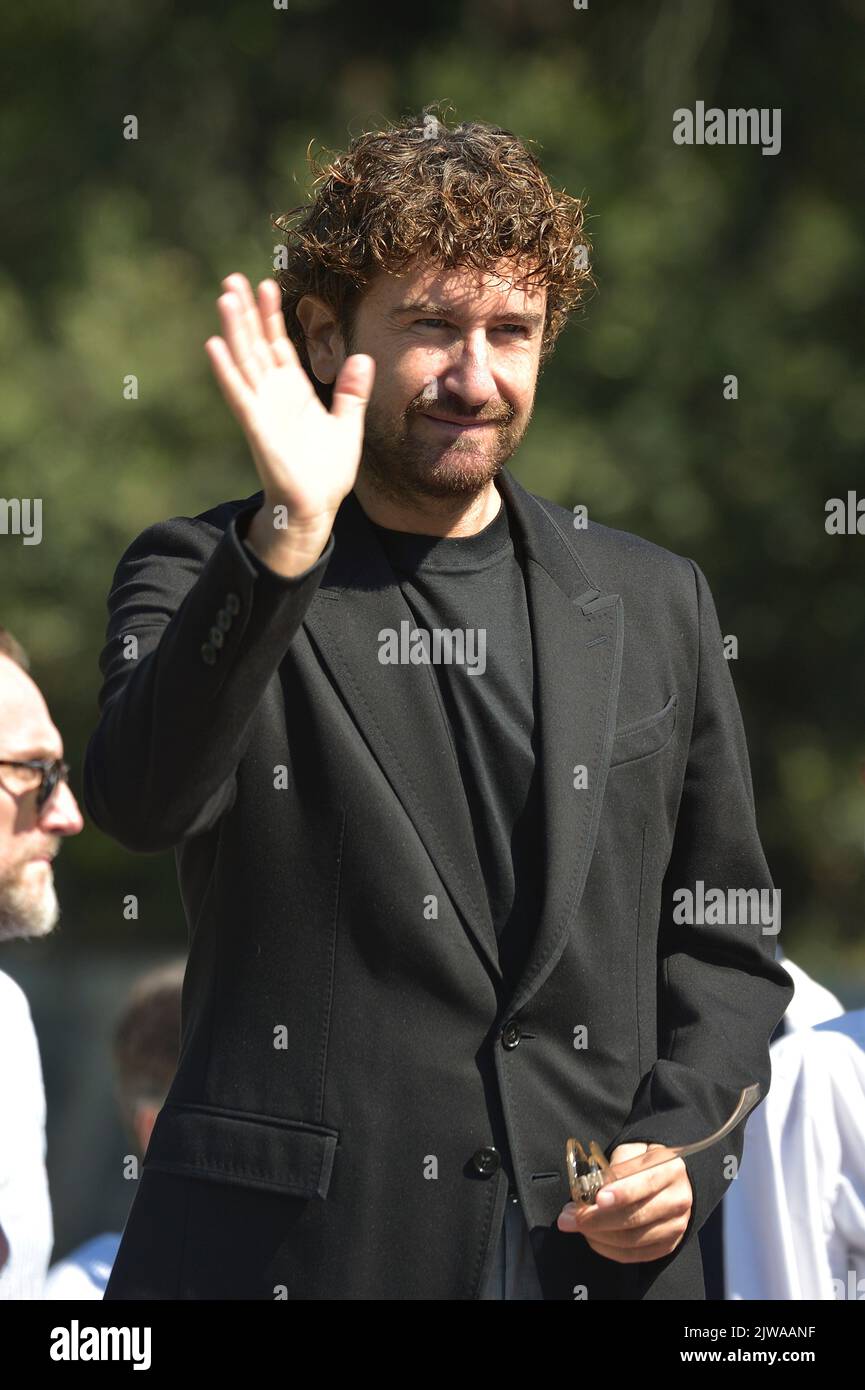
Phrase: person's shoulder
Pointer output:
(14, 1004)
(850, 1024)
(614, 557)
(823, 1049)
(21, 1084)
(85, 1271)
(812, 1003)
(191, 538)
(220, 517)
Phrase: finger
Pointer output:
(643, 1183)
(273, 320)
(237, 337)
(579, 1216)
(671, 1202)
(231, 380)
(252, 320)
(260, 355)
(652, 1216)
(654, 1155)
(239, 285)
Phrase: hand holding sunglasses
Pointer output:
(587, 1173)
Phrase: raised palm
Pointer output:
(307, 457)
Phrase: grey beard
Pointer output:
(23, 915)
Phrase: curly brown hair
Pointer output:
(469, 195)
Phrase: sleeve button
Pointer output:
(232, 603)
(208, 654)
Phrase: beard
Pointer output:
(27, 909)
(403, 461)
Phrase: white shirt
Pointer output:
(86, 1271)
(794, 1218)
(25, 1204)
(812, 1003)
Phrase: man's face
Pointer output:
(29, 835)
(447, 343)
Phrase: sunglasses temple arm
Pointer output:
(747, 1100)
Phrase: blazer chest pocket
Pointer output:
(229, 1146)
(645, 736)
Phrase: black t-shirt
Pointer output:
(475, 583)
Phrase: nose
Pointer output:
(469, 376)
(60, 813)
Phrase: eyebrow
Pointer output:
(442, 311)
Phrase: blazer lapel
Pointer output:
(398, 710)
(577, 632)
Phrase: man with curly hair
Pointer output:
(432, 763)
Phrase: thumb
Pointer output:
(353, 388)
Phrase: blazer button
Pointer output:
(208, 654)
(224, 619)
(217, 636)
(511, 1035)
(487, 1161)
(232, 603)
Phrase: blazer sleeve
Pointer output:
(177, 704)
(720, 990)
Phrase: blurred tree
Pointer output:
(711, 262)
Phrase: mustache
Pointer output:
(438, 408)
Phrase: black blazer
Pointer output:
(356, 1086)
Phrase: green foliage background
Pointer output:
(709, 261)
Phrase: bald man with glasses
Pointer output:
(37, 810)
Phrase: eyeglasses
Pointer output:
(588, 1172)
(35, 774)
